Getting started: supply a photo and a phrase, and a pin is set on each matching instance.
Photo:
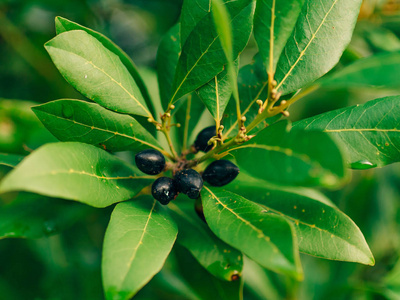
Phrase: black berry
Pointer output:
(164, 190)
(220, 172)
(189, 182)
(150, 161)
(201, 142)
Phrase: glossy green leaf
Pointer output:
(297, 157)
(218, 258)
(64, 25)
(76, 171)
(367, 132)
(33, 216)
(200, 281)
(322, 32)
(168, 54)
(191, 14)
(378, 71)
(274, 22)
(202, 55)
(322, 229)
(80, 121)
(96, 72)
(138, 239)
(10, 160)
(216, 94)
(266, 238)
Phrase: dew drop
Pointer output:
(362, 165)
(67, 111)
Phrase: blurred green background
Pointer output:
(66, 264)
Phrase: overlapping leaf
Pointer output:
(322, 229)
(80, 121)
(266, 238)
(369, 133)
(138, 239)
(218, 258)
(64, 25)
(274, 22)
(321, 34)
(10, 160)
(292, 157)
(168, 54)
(76, 171)
(96, 72)
(379, 71)
(202, 55)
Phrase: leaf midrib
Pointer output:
(105, 130)
(362, 130)
(106, 74)
(246, 222)
(303, 52)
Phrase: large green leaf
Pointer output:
(202, 55)
(80, 121)
(138, 239)
(63, 25)
(168, 54)
(321, 34)
(322, 229)
(266, 238)
(297, 157)
(274, 22)
(218, 258)
(76, 171)
(96, 72)
(369, 133)
(200, 281)
(379, 71)
(32, 216)
(10, 160)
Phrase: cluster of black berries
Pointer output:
(186, 181)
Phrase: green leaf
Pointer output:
(266, 238)
(200, 281)
(321, 34)
(32, 216)
(96, 72)
(297, 157)
(216, 94)
(367, 132)
(168, 54)
(202, 55)
(322, 229)
(80, 121)
(274, 22)
(64, 25)
(138, 239)
(10, 160)
(76, 171)
(378, 71)
(218, 258)
(192, 12)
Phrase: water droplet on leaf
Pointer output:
(362, 165)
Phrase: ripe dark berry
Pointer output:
(150, 161)
(164, 190)
(189, 182)
(201, 142)
(220, 172)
